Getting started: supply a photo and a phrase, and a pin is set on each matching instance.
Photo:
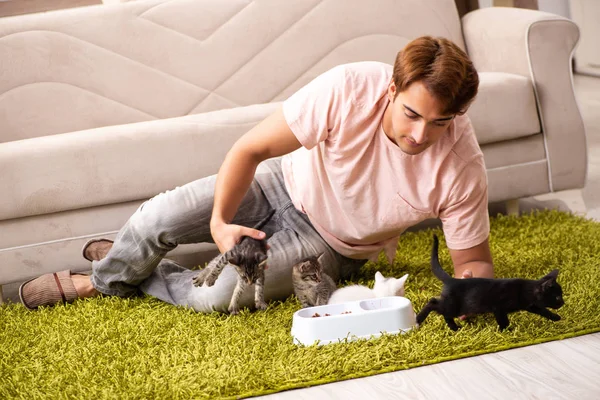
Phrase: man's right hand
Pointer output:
(270, 138)
(228, 235)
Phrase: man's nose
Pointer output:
(419, 132)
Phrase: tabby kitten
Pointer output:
(312, 285)
(249, 258)
(499, 296)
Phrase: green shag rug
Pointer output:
(145, 349)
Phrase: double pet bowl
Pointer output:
(363, 319)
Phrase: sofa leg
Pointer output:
(512, 207)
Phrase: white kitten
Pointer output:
(383, 287)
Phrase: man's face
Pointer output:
(414, 120)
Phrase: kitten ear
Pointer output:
(400, 285)
(262, 258)
(402, 279)
(233, 260)
(379, 276)
(302, 267)
(548, 280)
(552, 275)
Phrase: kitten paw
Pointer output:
(198, 281)
(233, 311)
(261, 306)
(210, 280)
(454, 327)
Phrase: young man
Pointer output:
(368, 151)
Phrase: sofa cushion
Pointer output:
(117, 164)
(504, 109)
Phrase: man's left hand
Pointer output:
(467, 273)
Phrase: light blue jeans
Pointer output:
(181, 216)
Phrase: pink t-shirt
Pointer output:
(359, 190)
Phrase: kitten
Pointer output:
(383, 287)
(499, 296)
(312, 285)
(249, 258)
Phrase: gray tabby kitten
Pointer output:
(249, 258)
(312, 285)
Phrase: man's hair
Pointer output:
(444, 69)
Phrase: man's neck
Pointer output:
(386, 122)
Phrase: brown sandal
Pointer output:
(93, 257)
(48, 290)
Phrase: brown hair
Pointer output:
(444, 69)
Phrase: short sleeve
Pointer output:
(314, 110)
(465, 219)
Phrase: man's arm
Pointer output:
(270, 138)
(473, 262)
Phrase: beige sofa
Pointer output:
(103, 107)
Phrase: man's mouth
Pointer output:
(411, 142)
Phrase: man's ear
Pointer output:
(391, 91)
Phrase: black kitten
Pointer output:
(499, 296)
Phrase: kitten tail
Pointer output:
(436, 268)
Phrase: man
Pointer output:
(368, 151)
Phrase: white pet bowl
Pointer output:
(363, 319)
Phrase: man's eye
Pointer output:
(411, 116)
(440, 123)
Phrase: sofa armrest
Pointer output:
(539, 46)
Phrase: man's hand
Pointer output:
(228, 235)
(466, 274)
(270, 138)
(475, 261)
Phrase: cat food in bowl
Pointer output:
(354, 320)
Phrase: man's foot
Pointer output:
(96, 249)
(54, 288)
(83, 286)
